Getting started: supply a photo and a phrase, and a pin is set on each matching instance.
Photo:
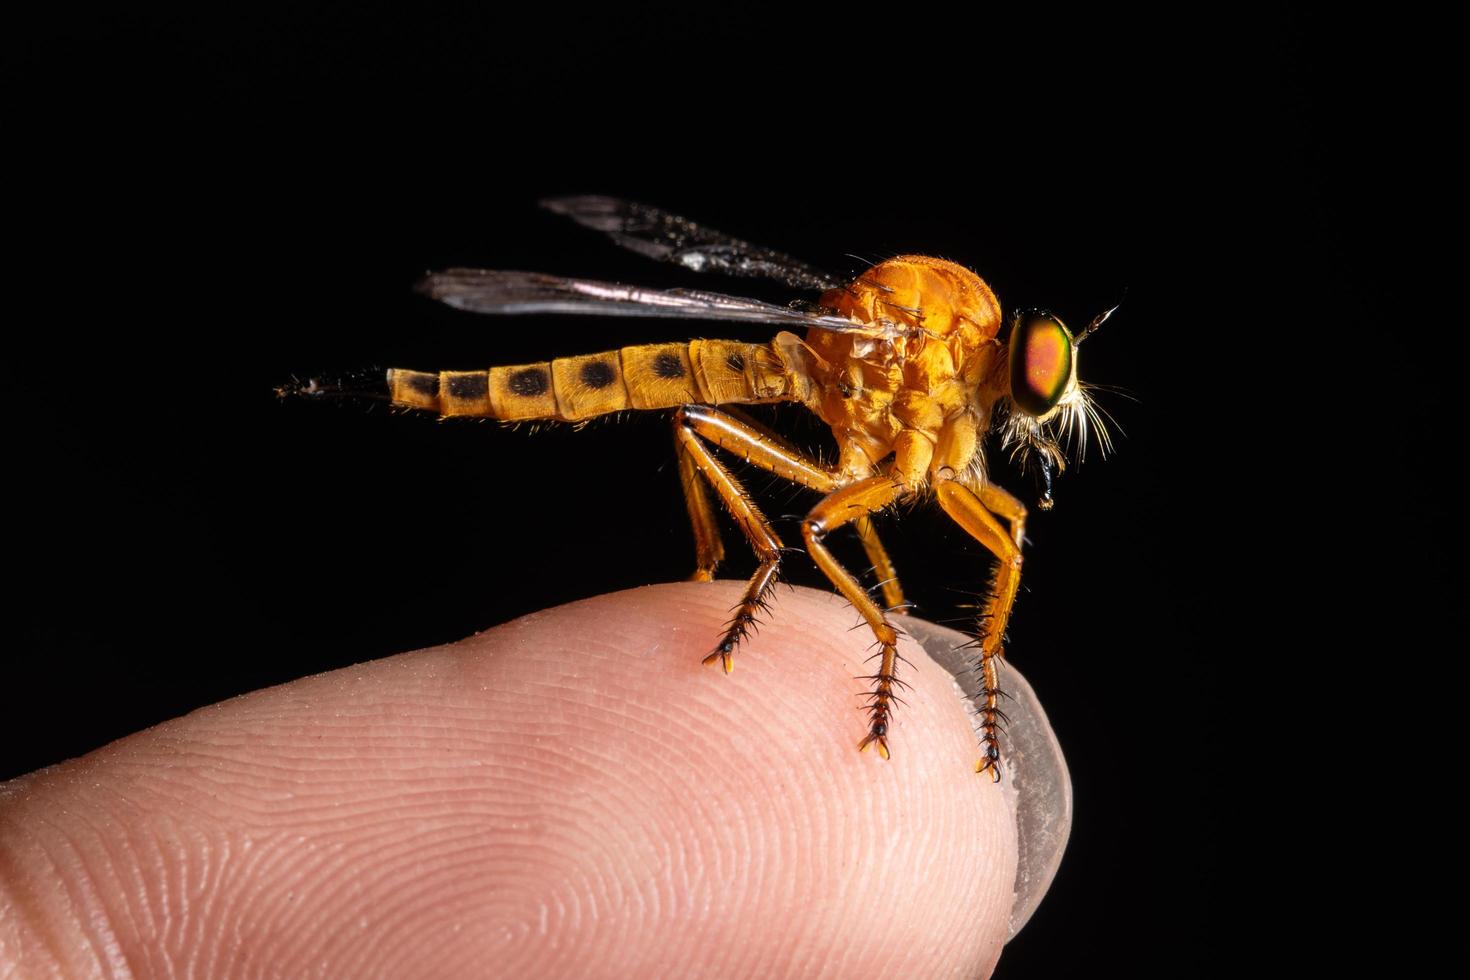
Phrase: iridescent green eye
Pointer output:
(1041, 361)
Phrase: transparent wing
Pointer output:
(497, 291)
(670, 238)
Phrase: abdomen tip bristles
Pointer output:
(369, 384)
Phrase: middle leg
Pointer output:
(855, 503)
(882, 566)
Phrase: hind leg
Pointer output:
(693, 425)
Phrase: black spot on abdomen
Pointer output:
(736, 363)
(528, 383)
(469, 385)
(668, 366)
(597, 374)
(425, 384)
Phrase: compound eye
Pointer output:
(1041, 361)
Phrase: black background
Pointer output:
(207, 204)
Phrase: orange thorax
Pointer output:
(875, 387)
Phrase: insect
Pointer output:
(905, 363)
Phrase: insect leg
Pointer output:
(1005, 504)
(709, 549)
(756, 445)
(694, 423)
(970, 513)
(867, 533)
(854, 503)
(882, 565)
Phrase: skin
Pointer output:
(570, 794)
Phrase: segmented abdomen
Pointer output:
(707, 372)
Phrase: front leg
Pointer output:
(1007, 505)
(969, 513)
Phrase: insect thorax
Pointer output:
(878, 392)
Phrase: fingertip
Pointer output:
(569, 794)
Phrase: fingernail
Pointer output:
(1034, 772)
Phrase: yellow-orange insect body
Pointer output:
(918, 395)
(573, 389)
(905, 363)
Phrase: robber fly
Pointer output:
(905, 363)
